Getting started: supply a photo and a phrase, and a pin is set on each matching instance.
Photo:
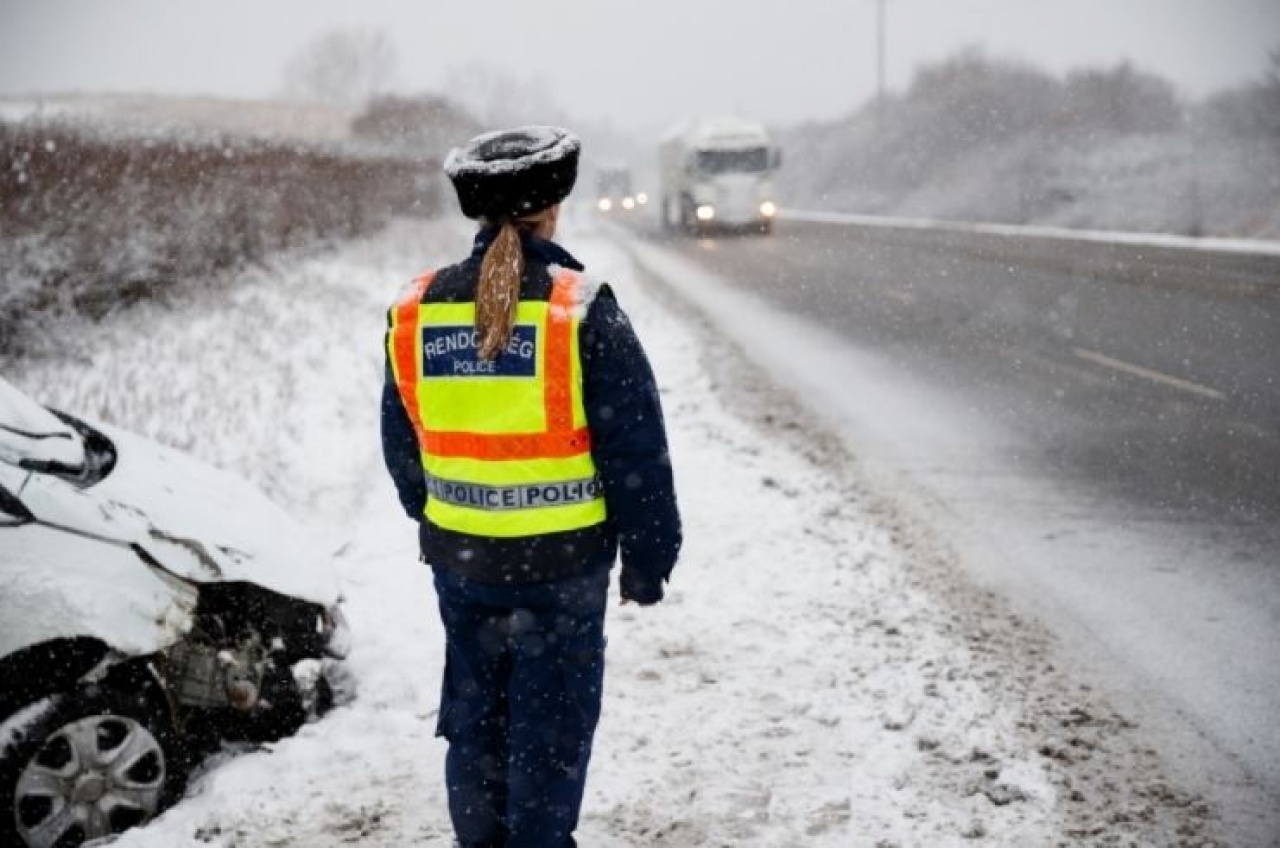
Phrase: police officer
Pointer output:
(522, 427)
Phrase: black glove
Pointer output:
(637, 587)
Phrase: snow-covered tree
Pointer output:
(425, 124)
(501, 98)
(342, 67)
(1252, 110)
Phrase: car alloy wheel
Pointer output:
(90, 778)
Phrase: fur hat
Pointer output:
(515, 172)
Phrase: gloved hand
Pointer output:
(636, 587)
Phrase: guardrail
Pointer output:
(1237, 266)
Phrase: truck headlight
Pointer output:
(706, 212)
(605, 204)
(642, 198)
(768, 209)
(628, 203)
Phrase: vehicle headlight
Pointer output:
(605, 204)
(706, 212)
(642, 198)
(628, 203)
(768, 209)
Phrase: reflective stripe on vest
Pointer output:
(504, 444)
(494, 498)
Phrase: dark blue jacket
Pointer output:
(628, 444)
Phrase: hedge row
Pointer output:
(91, 221)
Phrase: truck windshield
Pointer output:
(749, 161)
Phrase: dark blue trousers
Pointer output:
(523, 679)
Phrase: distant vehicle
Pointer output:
(150, 607)
(717, 173)
(614, 191)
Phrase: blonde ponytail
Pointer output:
(498, 292)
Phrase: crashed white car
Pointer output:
(150, 606)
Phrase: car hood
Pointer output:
(207, 525)
(29, 432)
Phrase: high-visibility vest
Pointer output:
(504, 444)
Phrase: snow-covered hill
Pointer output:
(982, 139)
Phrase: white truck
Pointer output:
(717, 173)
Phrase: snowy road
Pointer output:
(1157, 568)
(820, 675)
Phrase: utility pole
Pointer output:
(880, 60)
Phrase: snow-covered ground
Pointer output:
(819, 675)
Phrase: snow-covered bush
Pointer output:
(94, 219)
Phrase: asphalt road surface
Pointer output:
(1132, 499)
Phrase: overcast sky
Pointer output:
(641, 63)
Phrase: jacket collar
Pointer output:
(546, 252)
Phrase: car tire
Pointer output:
(88, 763)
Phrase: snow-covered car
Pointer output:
(151, 606)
